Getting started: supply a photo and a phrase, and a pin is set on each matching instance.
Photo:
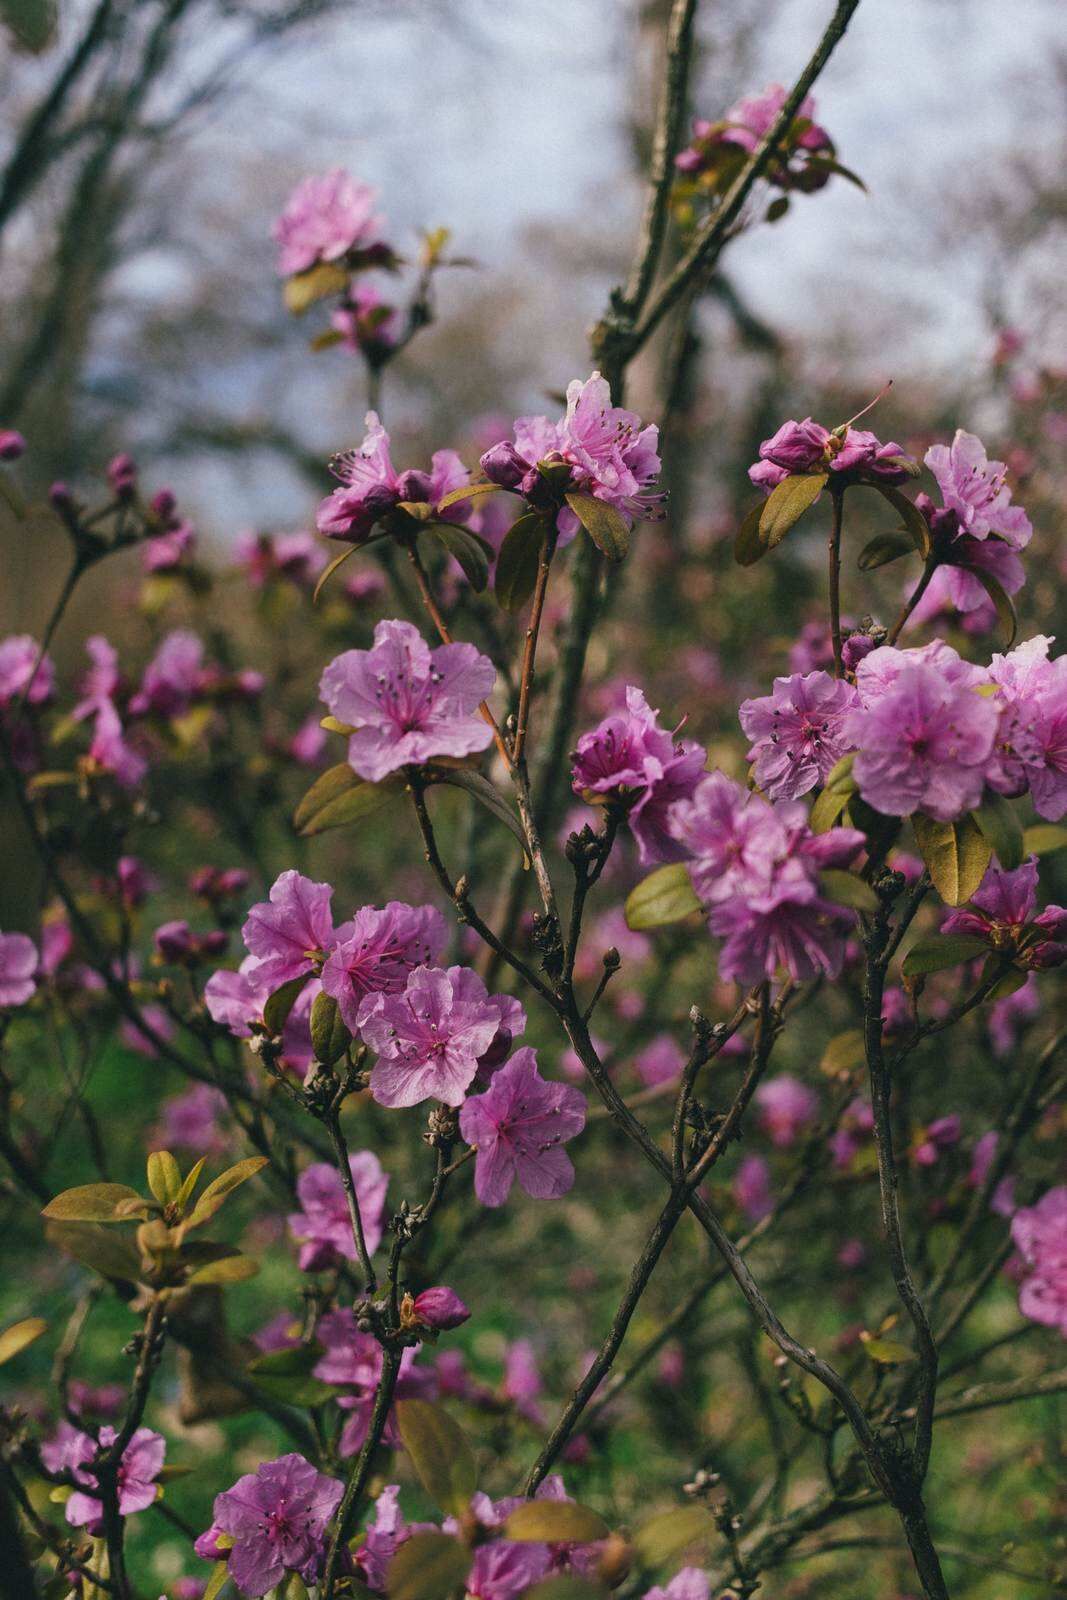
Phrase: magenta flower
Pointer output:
(377, 951)
(407, 702)
(752, 1188)
(140, 1466)
(236, 999)
(172, 677)
(855, 455)
(1040, 1235)
(428, 1039)
(18, 657)
(974, 488)
(797, 732)
(504, 1569)
(353, 1359)
(661, 1060)
(366, 322)
(326, 217)
(277, 1519)
(518, 1128)
(18, 969)
(164, 551)
(1031, 744)
(440, 1308)
(923, 733)
(609, 453)
(323, 1227)
(190, 1121)
(630, 759)
(1002, 911)
(371, 487)
(287, 934)
(786, 1108)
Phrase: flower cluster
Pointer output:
(739, 132)
(850, 454)
(327, 218)
(1039, 1233)
(372, 489)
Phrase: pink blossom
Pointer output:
(371, 487)
(691, 1583)
(752, 1188)
(111, 751)
(353, 1359)
(853, 454)
(797, 732)
(377, 951)
(1040, 1235)
(308, 742)
(1002, 912)
(518, 1128)
(407, 702)
(287, 934)
(505, 1569)
(1031, 742)
(12, 444)
(324, 1227)
(164, 551)
(428, 1039)
(236, 999)
(923, 734)
(974, 488)
(786, 1108)
(366, 322)
(296, 556)
(939, 1136)
(1008, 1016)
(18, 969)
(140, 1466)
(277, 1519)
(18, 658)
(172, 677)
(629, 758)
(440, 1308)
(326, 217)
(853, 1131)
(190, 1121)
(661, 1060)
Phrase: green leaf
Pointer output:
(605, 526)
(840, 776)
(427, 1566)
(1043, 838)
(845, 889)
(220, 1574)
(472, 553)
(329, 1036)
(748, 546)
(302, 290)
(830, 164)
(328, 572)
(556, 1521)
(942, 950)
(518, 561)
(1008, 983)
(787, 503)
(884, 548)
(192, 1178)
(32, 22)
(486, 793)
(956, 855)
(844, 1051)
(665, 896)
(287, 1375)
(110, 1254)
(827, 808)
(230, 1269)
(914, 522)
(663, 1537)
(15, 1339)
(295, 1362)
(1006, 614)
(281, 1002)
(468, 491)
(998, 821)
(90, 1202)
(439, 1453)
(219, 1190)
(887, 1352)
(335, 801)
(164, 1177)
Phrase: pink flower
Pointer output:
(854, 1130)
(365, 322)
(324, 1227)
(140, 1466)
(110, 750)
(308, 742)
(752, 1188)
(440, 1308)
(172, 677)
(923, 734)
(18, 969)
(1007, 1018)
(661, 1060)
(236, 999)
(1040, 1236)
(407, 702)
(369, 487)
(354, 1359)
(428, 1039)
(504, 1569)
(377, 951)
(277, 1519)
(518, 1128)
(631, 759)
(786, 1108)
(689, 1584)
(797, 732)
(974, 488)
(286, 934)
(18, 657)
(1031, 744)
(807, 446)
(1002, 912)
(190, 1121)
(326, 217)
(164, 551)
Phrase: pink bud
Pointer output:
(12, 444)
(440, 1308)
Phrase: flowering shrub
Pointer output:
(374, 1107)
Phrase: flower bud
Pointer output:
(440, 1308)
(503, 465)
(12, 444)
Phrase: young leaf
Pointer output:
(844, 1051)
(998, 821)
(1008, 983)
(556, 1521)
(468, 491)
(1006, 614)
(230, 1269)
(748, 546)
(827, 808)
(15, 1339)
(942, 950)
(665, 1536)
(350, 804)
(914, 521)
(471, 552)
(1043, 838)
(427, 1566)
(517, 563)
(486, 793)
(787, 503)
(220, 1574)
(328, 572)
(281, 1002)
(845, 889)
(605, 526)
(439, 1453)
(329, 1036)
(956, 855)
(164, 1177)
(887, 1352)
(192, 1178)
(328, 787)
(221, 1187)
(112, 1255)
(302, 290)
(884, 548)
(89, 1202)
(665, 896)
